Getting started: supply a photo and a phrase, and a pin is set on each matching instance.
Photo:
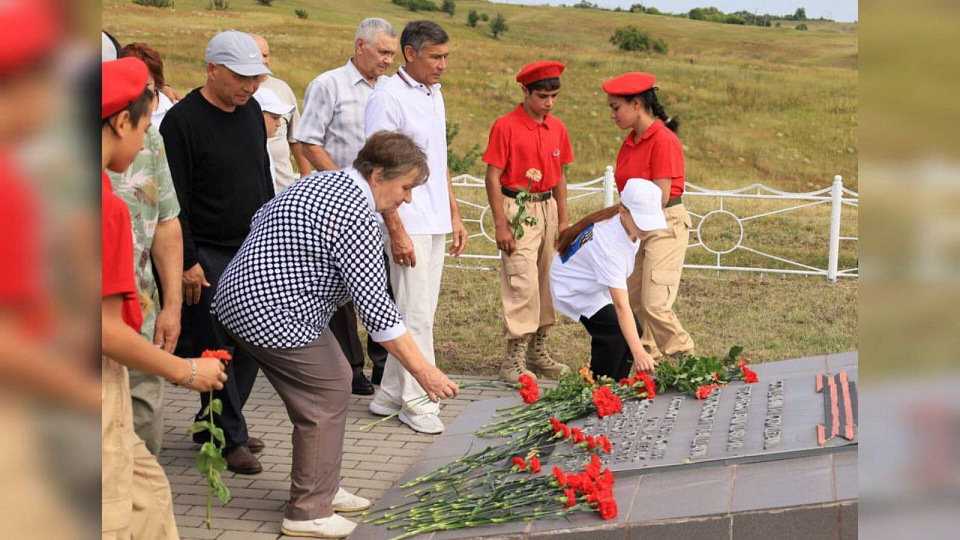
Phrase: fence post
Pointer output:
(836, 203)
(609, 186)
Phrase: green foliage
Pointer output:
(691, 372)
(778, 24)
(267, 3)
(210, 460)
(472, 18)
(521, 218)
(460, 164)
(800, 14)
(416, 5)
(484, 17)
(302, 14)
(498, 25)
(660, 46)
(154, 3)
(219, 5)
(583, 4)
(632, 38)
(449, 7)
(801, 26)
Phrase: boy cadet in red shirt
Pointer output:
(135, 495)
(527, 151)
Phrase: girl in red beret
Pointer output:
(652, 153)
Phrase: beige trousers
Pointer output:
(146, 390)
(135, 495)
(654, 284)
(525, 274)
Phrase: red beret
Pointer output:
(630, 83)
(537, 71)
(31, 29)
(121, 82)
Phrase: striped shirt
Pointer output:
(333, 109)
(311, 249)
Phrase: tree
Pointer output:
(449, 7)
(801, 26)
(484, 17)
(800, 15)
(472, 18)
(632, 38)
(498, 25)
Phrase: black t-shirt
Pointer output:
(220, 169)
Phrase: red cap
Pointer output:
(537, 71)
(31, 29)
(630, 83)
(121, 82)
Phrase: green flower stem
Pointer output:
(209, 482)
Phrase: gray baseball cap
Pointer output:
(238, 51)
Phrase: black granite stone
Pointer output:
(811, 523)
(845, 473)
(683, 493)
(849, 521)
(703, 529)
(595, 533)
(778, 484)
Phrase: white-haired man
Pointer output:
(332, 133)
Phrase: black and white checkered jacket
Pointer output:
(312, 248)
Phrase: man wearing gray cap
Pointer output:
(217, 150)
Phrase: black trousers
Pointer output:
(609, 352)
(199, 332)
(343, 324)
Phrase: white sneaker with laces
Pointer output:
(380, 406)
(345, 501)
(330, 527)
(428, 423)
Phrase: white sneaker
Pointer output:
(381, 406)
(331, 527)
(428, 423)
(345, 501)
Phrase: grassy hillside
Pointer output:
(758, 104)
(770, 105)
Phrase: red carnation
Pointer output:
(604, 443)
(704, 391)
(587, 486)
(529, 390)
(534, 465)
(648, 385)
(571, 497)
(556, 425)
(566, 432)
(223, 355)
(607, 507)
(573, 480)
(559, 475)
(577, 435)
(626, 382)
(519, 463)
(591, 442)
(749, 375)
(606, 402)
(606, 479)
(593, 468)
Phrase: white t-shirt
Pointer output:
(163, 105)
(402, 104)
(602, 257)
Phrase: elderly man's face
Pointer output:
(374, 58)
(231, 88)
(429, 64)
(264, 49)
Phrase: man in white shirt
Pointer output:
(283, 144)
(411, 102)
(331, 134)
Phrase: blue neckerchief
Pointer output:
(578, 243)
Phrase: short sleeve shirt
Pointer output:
(519, 145)
(658, 154)
(116, 254)
(601, 258)
(147, 189)
(279, 144)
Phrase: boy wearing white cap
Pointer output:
(588, 277)
(273, 111)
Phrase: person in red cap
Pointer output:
(652, 153)
(135, 497)
(527, 190)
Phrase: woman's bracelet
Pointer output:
(193, 373)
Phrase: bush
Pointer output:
(631, 38)
(302, 14)
(219, 5)
(660, 46)
(154, 3)
(460, 164)
(498, 25)
(416, 5)
(267, 3)
(800, 26)
(472, 18)
(449, 7)
(778, 24)
(484, 17)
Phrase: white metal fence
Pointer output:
(835, 197)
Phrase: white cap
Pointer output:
(645, 201)
(270, 102)
(108, 47)
(238, 51)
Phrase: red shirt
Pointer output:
(518, 144)
(21, 261)
(658, 154)
(116, 255)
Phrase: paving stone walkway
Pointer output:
(372, 461)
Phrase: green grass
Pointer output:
(768, 105)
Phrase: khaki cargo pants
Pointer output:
(135, 496)
(654, 284)
(525, 274)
